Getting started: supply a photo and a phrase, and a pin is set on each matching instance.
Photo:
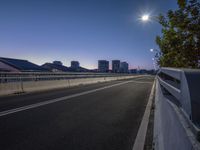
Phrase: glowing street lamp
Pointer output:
(145, 18)
(154, 59)
(148, 18)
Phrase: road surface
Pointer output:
(103, 116)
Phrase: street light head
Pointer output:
(145, 17)
(151, 50)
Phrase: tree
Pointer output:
(180, 40)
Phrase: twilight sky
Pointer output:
(84, 30)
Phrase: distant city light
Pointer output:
(145, 17)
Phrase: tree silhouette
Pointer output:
(180, 40)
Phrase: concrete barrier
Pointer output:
(169, 130)
(10, 88)
(32, 86)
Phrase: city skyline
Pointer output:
(103, 65)
(44, 31)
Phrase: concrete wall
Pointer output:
(31, 86)
(171, 130)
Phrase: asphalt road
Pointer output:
(103, 116)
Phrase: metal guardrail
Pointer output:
(6, 77)
(182, 87)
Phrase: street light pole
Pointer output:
(154, 59)
(146, 18)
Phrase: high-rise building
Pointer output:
(103, 66)
(75, 64)
(116, 66)
(124, 67)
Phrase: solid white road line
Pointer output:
(11, 111)
(141, 135)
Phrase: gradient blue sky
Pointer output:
(84, 30)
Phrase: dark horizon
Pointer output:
(110, 64)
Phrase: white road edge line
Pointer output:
(14, 110)
(141, 135)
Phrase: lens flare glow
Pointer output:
(145, 17)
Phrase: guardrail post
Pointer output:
(22, 86)
(68, 82)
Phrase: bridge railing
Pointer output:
(17, 83)
(6, 77)
(181, 86)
